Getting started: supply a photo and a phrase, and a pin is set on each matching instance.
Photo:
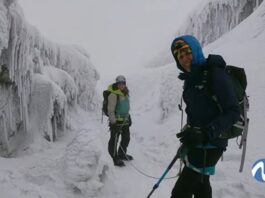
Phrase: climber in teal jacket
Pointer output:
(119, 120)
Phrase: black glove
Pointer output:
(117, 127)
(192, 137)
(112, 126)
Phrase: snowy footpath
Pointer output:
(78, 164)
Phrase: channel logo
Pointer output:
(258, 170)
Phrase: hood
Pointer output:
(197, 54)
(113, 89)
(216, 60)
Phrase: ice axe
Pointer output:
(164, 174)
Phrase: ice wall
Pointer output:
(209, 22)
(216, 18)
(29, 64)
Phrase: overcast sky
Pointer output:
(118, 34)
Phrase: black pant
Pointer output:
(115, 133)
(192, 183)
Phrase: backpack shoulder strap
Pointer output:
(207, 85)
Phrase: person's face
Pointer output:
(121, 85)
(185, 60)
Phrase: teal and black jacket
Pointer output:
(118, 105)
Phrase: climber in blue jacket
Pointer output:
(202, 145)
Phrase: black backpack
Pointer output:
(106, 94)
(240, 128)
(239, 81)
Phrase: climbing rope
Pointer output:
(141, 172)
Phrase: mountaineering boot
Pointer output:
(126, 157)
(118, 162)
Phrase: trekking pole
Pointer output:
(164, 174)
(244, 145)
(243, 142)
(181, 109)
(181, 127)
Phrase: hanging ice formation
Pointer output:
(40, 80)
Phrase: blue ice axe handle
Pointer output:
(164, 174)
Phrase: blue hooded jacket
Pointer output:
(202, 110)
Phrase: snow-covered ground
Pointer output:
(78, 165)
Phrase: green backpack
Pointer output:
(239, 81)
